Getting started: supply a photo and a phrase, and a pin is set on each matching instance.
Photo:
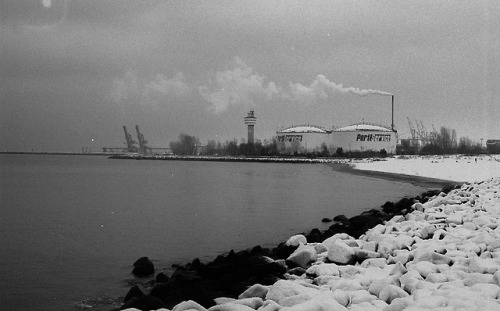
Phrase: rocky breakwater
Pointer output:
(444, 255)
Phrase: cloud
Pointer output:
(321, 87)
(126, 89)
(237, 86)
(131, 91)
(161, 87)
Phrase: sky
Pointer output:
(73, 72)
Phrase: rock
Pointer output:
(360, 296)
(496, 278)
(320, 302)
(340, 253)
(188, 305)
(454, 218)
(391, 292)
(340, 218)
(134, 292)
(378, 285)
(434, 258)
(476, 278)
(326, 220)
(425, 268)
(358, 225)
(327, 269)
(162, 278)
(296, 271)
(144, 303)
(362, 254)
(315, 236)
(490, 291)
(481, 265)
(256, 290)
(374, 262)
(436, 278)
(303, 256)
(341, 296)
(284, 288)
(399, 304)
(296, 240)
(143, 267)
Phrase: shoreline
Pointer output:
(442, 253)
(227, 265)
(424, 182)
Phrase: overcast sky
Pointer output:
(78, 70)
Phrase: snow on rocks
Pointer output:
(445, 255)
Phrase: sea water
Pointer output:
(71, 226)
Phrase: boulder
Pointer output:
(284, 288)
(188, 305)
(143, 267)
(144, 303)
(340, 253)
(296, 240)
(391, 292)
(256, 290)
(303, 256)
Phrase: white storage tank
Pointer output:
(364, 137)
(302, 139)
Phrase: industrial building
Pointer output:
(359, 137)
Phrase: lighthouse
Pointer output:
(250, 120)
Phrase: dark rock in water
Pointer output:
(372, 212)
(143, 267)
(326, 220)
(448, 188)
(144, 303)
(162, 278)
(283, 251)
(220, 278)
(340, 218)
(403, 205)
(134, 292)
(388, 207)
(358, 225)
(315, 236)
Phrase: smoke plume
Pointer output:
(321, 86)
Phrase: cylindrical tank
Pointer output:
(364, 137)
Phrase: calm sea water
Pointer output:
(71, 226)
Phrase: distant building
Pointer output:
(493, 145)
(357, 137)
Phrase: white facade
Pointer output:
(357, 137)
(301, 139)
(364, 137)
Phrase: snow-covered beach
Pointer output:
(454, 168)
(445, 255)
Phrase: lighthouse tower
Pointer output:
(250, 120)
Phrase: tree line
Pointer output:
(190, 145)
(443, 142)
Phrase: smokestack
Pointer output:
(392, 120)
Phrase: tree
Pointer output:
(186, 145)
(211, 147)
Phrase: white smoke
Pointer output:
(320, 86)
(237, 86)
